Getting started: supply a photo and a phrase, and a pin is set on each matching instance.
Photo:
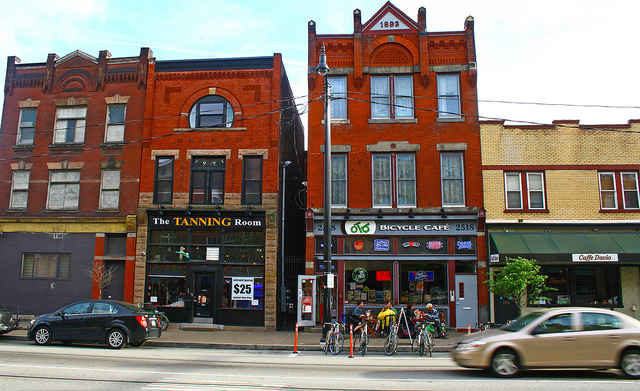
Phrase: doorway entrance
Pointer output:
(203, 297)
(115, 289)
(466, 301)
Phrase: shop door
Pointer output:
(466, 301)
(203, 300)
(115, 289)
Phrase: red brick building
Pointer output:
(220, 136)
(406, 174)
(69, 167)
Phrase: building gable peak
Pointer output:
(78, 54)
(389, 19)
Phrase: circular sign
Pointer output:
(358, 245)
(359, 275)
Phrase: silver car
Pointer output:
(556, 338)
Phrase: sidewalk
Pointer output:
(191, 335)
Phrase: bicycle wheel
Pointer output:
(364, 342)
(422, 343)
(163, 321)
(336, 343)
(391, 343)
(327, 338)
(415, 343)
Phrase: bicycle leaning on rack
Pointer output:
(423, 342)
(361, 338)
(334, 340)
(391, 343)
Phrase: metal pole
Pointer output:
(283, 286)
(323, 69)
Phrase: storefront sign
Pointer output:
(434, 245)
(242, 288)
(359, 275)
(358, 245)
(465, 244)
(381, 244)
(207, 222)
(421, 276)
(595, 257)
(411, 244)
(495, 258)
(360, 227)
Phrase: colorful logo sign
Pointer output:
(358, 245)
(421, 276)
(381, 245)
(435, 245)
(411, 244)
(360, 227)
(360, 275)
(465, 245)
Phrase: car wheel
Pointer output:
(42, 336)
(505, 363)
(116, 339)
(630, 363)
(137, 343)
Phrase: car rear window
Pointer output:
(592, 321)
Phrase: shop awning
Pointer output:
(556, 246)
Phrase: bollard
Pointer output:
(468, 329)
(350, 341)
(295, 344)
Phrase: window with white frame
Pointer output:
(19, 189)
(448, 95)
(211, 111)
(524, 190)
(110, 189)
(619, 190)
(339, 180)
(115, 124)
(392, 96)
(394, 179)
(64, 190)
(452, 172)
(70, 124)
(26, 130)
(338, 97)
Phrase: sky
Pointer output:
(538, 61)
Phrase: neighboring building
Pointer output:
(69, 167)
(407, 217)
(567, 196)
(217, 136)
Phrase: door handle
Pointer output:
(569, 339)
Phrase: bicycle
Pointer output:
(485, 326)
(423, 342)
(391, 343)
(163, 321)
(334, 340)
(361, 340)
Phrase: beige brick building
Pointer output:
(566, 195)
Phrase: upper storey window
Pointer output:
(448, 95)
(619, 190)
(211, 111)
(338, 97)
(391, 97)
(115, 123)
(27, 126)
(70, 124)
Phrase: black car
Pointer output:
(7, 321)
(113, 322)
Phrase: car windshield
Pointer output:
(521, 322)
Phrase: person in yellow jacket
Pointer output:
(388, 314)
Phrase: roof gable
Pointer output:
(389, 19)
(77, 58)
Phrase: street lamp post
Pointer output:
(323, 70)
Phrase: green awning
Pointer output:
(554, 246)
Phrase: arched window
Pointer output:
(211, 111)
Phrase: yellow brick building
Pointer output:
(566, 195)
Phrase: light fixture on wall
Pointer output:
(443, 213)
(346, 214)
(411, 213)
(248, 213)
(380, 213)
(188, 211)
(217, 212)
(160, 210)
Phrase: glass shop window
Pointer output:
(371, 282)
(423, 281)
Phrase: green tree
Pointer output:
(519, 280)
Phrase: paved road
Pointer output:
(26, 366)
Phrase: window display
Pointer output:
(423, 281)
(371, 282)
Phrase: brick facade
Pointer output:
(401, 47)
(75, 80)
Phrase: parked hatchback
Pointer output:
(113, 322)
(556, 338)
(7, 321)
